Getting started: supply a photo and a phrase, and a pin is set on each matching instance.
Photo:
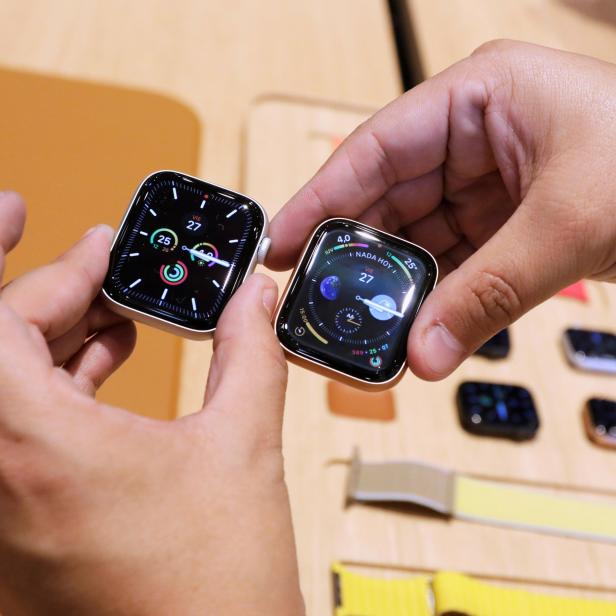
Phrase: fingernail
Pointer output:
(443, 352)
(270, 295)
(106, 229)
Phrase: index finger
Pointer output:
(405, 140)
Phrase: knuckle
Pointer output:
(82, 271)
(376, 178)
(357, 177)
(388, 215)
(314, 196)
(495, 299)
(83, 277)
(385, 165)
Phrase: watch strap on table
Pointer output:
(447, 593)
(490, 502)
(407, 482)
(455, 593)
(356, 594)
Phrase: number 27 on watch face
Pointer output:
(351, 301)
(183, 248)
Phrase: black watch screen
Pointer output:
(492, 409)
(183, 248)
(353, 298)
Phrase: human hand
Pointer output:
(105, 512)
(501, 166)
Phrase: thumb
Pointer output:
(524, 263)
(248, 374)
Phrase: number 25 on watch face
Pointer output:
(351, 302)
(183, 248)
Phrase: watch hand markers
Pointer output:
(205, 257)
(379, 307)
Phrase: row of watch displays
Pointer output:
(186, 245)
(509, 411)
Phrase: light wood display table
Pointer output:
(216, 57)
(448, 30)
(220, 56)
(286, 141)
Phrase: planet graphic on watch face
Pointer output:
(330, 287)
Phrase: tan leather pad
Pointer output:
(76, 151)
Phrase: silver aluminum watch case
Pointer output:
(327, 371)
(258, 256)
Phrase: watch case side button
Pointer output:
(263, 249)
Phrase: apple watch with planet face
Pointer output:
(351, 301)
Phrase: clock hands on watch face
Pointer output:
(381, 306)
(206, 257)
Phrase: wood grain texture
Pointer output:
(217, 57)
(286, 142)
(449, 30)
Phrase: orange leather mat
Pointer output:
(76, 151)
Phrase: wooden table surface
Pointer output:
(448, 30)
(299, 136)
(218, 58)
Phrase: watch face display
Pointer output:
(183, 248)
(603, 417)
(492, 409)
(353, 298)
(591, 350)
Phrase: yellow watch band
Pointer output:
(509, 505)
(449, 593)
(363, 595)
(459, 594)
